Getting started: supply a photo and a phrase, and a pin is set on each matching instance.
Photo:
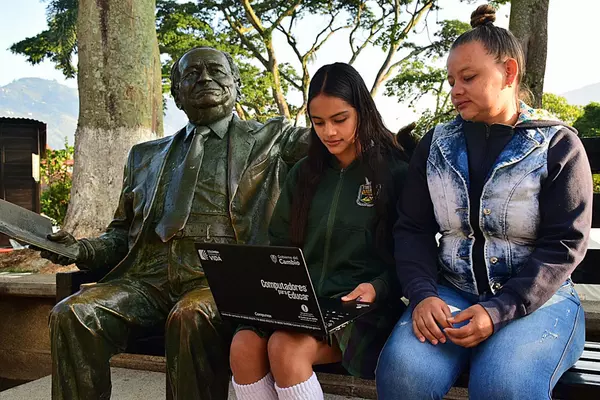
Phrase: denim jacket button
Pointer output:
(497, 286)
(487, 211)
(494, 260)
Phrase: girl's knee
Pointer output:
(286, 348)
(248, 351)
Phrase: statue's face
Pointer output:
(207, 89)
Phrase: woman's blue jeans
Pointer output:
(523, 360)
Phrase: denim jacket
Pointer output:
(509, 213)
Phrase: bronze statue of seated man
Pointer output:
(215, 180)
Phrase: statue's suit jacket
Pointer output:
(260, 156)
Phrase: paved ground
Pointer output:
(128, 384)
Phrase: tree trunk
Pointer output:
(529, 23)
(120, 103)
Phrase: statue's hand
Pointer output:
(68, 240)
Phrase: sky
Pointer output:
(573, 33)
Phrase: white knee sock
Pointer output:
(264, 389)
(307, 390)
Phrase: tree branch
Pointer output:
(291, 41)
(253, 18)
(316, 44)
(410, 55)
(255, 51)
(386, 69)
(288, 12)
(437, 97)
(375, 28)
(356, 26)
(373, 32)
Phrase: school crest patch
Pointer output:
(366, 197)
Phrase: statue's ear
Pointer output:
(177, 101)
(175, 95)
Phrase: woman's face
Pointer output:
(482, 88)
(335, 123)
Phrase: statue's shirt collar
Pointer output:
(219, 127)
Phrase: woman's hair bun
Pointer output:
(482, 15)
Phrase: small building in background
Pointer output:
(22, 145)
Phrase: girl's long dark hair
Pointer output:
(376, 143)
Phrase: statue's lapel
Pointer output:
(156, 177)
(241, 143)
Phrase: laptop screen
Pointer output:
(261, 285)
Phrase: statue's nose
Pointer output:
(204, 76)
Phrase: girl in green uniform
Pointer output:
(338, 205)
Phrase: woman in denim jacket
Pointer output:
(510, 191)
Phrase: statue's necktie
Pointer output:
(180, 192)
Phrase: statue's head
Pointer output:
(205, 84)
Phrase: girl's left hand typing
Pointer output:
(364, 292)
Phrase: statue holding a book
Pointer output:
(216, 180)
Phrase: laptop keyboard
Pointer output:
(332, 317)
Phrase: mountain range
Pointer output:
(584, 95)
(58, 106)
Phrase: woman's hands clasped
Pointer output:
(433, 321)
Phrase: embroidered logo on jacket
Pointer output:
(366, 198)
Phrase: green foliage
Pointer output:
(559, 106)
(596, 178)
(415, 80)
(56, 180)
(420, 75)
(588, 124)
(57, 43)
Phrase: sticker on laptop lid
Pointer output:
(210, 255)
(285, 259)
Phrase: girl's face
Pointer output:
(483, 89)
(335, 123)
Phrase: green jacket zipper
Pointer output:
(329, 232)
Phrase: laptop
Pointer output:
(271, 287)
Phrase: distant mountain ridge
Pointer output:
(58, 106)
(585, 95)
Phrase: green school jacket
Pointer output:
(338, 247)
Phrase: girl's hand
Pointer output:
(479, 328)
(364, 292)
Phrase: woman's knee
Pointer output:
(410, 369)
(393, 366)
(510, 375)
(248, 353)
(400, 375)
(509, 386)
(395, 359)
